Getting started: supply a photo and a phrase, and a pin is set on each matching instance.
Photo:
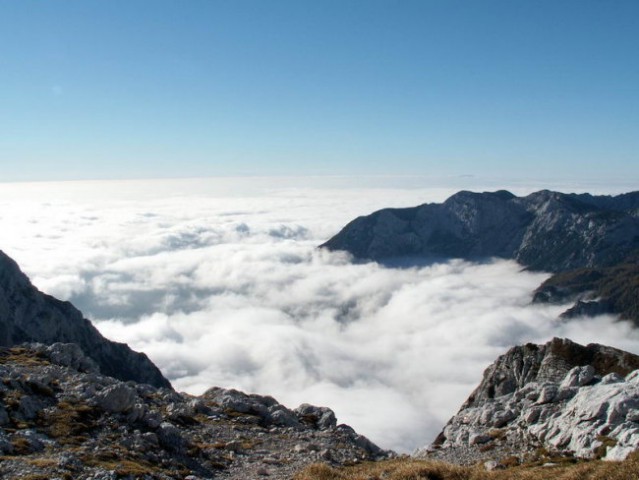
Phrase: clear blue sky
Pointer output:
(132, 88)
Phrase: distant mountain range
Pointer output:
(590, 242)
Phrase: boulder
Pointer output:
(322, 418)
(118, 398)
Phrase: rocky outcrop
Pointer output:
(596, 290)
(28, 315)
(547, 231)
(60, 418)
(561, 397)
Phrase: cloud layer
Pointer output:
(220, 283)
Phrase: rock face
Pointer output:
(28, 315)
(546, 231)
(59, 421)
(596, 290)
(560, 397)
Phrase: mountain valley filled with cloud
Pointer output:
(221, 283)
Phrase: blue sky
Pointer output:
(144, 89)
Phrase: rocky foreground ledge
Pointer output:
(558, 399)
(60, 418)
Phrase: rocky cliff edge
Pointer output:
(561, 397)
(61, 418)
(28, 315)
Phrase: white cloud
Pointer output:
(223, 285)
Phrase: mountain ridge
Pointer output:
(544, 231)
(28, 315)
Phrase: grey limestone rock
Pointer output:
(78, 416)
(282, 416)
(117, 398)
(152, 418)
(29, 406)
(28, 315)
(578, 376)
(633, 415)
(564, 397)
(269, 411)
(4, 416)
(612, 378)
(70, 355)
(241, 402)
(170, 437)
(321, 417)
(547, 394)
(5, 443)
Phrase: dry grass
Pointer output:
(12, 399)
(69, 422)
(43, 462)
(497, 433)
(141, 469)
(21, 446)
(22, 356)
(407, 469)
(127, 467)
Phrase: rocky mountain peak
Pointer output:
(626, 202)
(28, 315)
(544, 231)
(548, 363)
(545, 202)
(561, 397)
(10, 273)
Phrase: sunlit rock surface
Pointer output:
(560, 397)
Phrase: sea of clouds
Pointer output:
(220, 282)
